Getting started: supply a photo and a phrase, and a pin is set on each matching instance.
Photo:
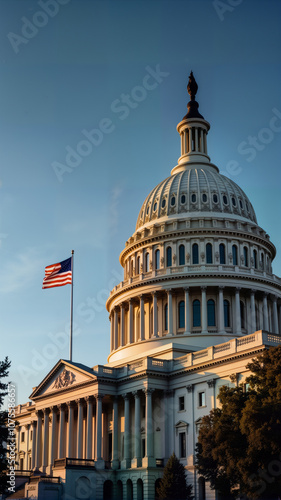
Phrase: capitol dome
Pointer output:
(198, 268)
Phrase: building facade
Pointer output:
(198, 301)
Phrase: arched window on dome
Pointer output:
(196, 309)
(234, 255)
(226, 310)
(222, 253)
(255, 257)
(146, 262)
(181, 255)
(181, 318)
(157, 258)
(245, 253)
(132, 269)
(242, 314)
(195, 254)
(262, 261)
(209, 254)
(166, 317)
(168, 257)
(138, 265)
(211, 313)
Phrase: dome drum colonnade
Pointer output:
(198, 261)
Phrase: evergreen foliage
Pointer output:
(173, 483)
(4, 367)
(239, 444)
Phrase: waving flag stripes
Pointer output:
(58, 274)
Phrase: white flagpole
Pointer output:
(71, 305)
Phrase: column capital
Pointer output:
(27, 426)
(98, 397)
(211, 382)
(46, 411)
(61, 407)
(189, 388)
(237, 288)
(265, 294)
(168, 392)
(253, 291)
(203, 288)
(221, 288)
(33, 423)
(70, 404)
(79, 401)
(89, 399)
(148, 390)
(53, 408)
(274, 298)
(186, 288)
(136, 394)
(126, 396)
(38, 413)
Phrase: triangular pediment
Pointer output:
(181, 423)
(64, 376)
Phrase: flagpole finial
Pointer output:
(72, 251)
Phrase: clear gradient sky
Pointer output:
(66, 66)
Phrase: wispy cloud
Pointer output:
(21, 270)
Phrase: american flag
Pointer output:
(58, 274)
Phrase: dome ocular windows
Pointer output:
(163, 204)
(183, 199)
(193, 198)
(155, 206)
(241, 204)
(224, 199)
(173, 201)
(215, 198)
(204, 198)
(233, 201)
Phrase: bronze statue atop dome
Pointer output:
(192, 87)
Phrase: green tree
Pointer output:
(239, 444)
(173, 483)
(4, 370)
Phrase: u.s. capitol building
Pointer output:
(197, 303)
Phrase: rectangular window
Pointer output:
(202, 399)
(22, 437)
(181, 403)
(182, 444)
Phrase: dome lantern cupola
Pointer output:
(193, 130)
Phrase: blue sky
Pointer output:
(65, 67)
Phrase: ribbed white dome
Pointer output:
(195, 189)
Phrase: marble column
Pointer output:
(237, 311)
(275, 316)
(115, 328)
(46, 412)
(131, 323)
(53, 435)
(122, 324)
(204, 309)
(148, 460)
(33, 449)
(170, 312)
(221, 327)
(253, 312)
(141, 317)
(265, 313)
(115, 451)
(155, 315)
(38, 455)
(70, 453)
(61, 431)
(27, 427)
(187, 310)
(136, 462)
(126, 462)
(99, 462)
(80, 428)
(89, 431)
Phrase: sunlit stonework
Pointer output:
(198, 301)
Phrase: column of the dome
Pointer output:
(131, 322)
(265, 313)
(187, 310)
(253, 311)
(155, 314)
(221, 327)
(237, 312)
(275, 315)
(122, 324)
(204, 309)
(115, 328)
(141, 317)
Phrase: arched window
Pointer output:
(195, 254)
(226, 309)
(146, 262)
(222, 253)
(196, 306)
(211, 313)
(242, 314)
(132, 269)
(181, 255)
(262, 261)
(234, 255)
(169, 257)
(209, 253)
(245, 252)
(255, 256)
(157, 259)
(166, 317)
(138, 265)
(181, 314)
